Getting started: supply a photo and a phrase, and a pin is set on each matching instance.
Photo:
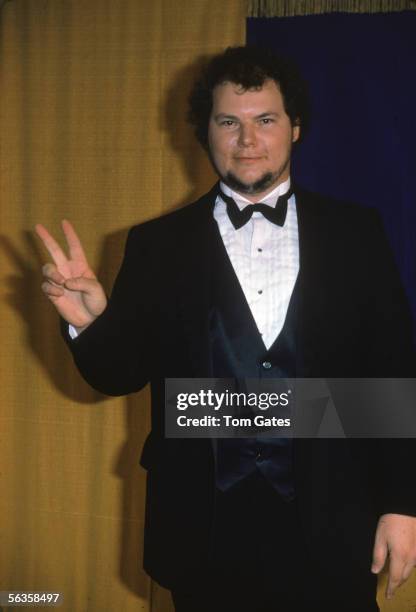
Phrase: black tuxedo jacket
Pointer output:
(353, 321)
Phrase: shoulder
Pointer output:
(178, 221)
(332, 212)
(325, 204)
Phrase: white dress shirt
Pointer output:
(265, 258)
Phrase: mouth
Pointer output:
(247, 160)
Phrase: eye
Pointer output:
(266, 120)
(228, 123)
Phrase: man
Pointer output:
(212, 290)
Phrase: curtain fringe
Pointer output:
(290, 8)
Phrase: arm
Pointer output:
(396, 530)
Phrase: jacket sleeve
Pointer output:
(390, 318)
(391, 459)
(113, 353)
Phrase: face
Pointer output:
(250, 138)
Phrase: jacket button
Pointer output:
(266, 365)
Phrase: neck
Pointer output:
(282, 187)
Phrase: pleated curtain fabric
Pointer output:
(361, 143)
(290, 8)
(92, 110)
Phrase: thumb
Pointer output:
(379, 557)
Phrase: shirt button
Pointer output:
(266, 365)
(260, 250)
(260, 291)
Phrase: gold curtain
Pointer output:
(289, 8)
(91, 112)
(92, 102)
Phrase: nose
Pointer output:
(247, 136)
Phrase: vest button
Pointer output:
(266, 365)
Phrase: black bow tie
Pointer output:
(239, 217)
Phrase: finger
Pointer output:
(74, 244)
(395, 575)
(52, 290)
(85, 285)
(51, 273)
(379, 557)
(94, 295)
(52, 246)
(408, 568)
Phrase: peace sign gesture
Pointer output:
(69, 282)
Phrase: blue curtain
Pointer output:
(362, 142)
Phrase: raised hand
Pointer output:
(69, 282)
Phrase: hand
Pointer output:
(69, 282)
(395, 535)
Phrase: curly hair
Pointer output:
(249, 67)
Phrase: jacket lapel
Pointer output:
(195, 283)
(310, 456)
(313, 323)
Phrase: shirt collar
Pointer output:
(270, 199)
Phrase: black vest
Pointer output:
(238, 352)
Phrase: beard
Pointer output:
(262, 184)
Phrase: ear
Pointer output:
(295, 131)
